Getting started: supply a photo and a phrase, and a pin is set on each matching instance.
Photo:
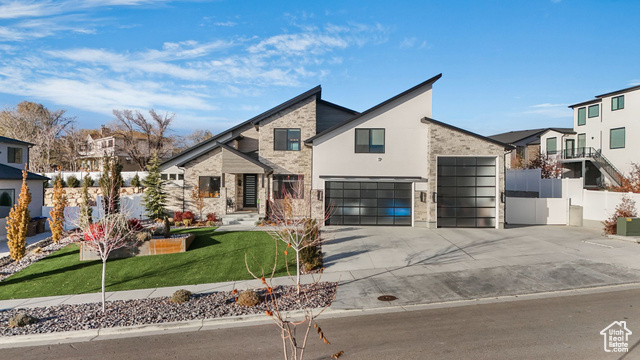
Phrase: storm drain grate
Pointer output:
(387, 298)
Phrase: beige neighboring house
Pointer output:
(105, 142)
(391, 165)
(14, 155)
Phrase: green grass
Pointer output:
(212, 257)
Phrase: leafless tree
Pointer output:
(70, 147)
(34, 123)
(143, 137)
(293, 224)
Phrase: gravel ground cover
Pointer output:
(160, 310)
(35, 252)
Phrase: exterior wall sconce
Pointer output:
(239, 182)
(320, 195)
(423, 197)
(435, 197)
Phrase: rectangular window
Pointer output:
(594, 110)
(7, 197)
(14, 155)
(582, 141)
(164, 177)
(172, 176)
(552, 145)
(286, 139)
(617, 103)
(582, 116)
(209, 186)
(288, 184)
(616, 138)
(370, 141)
(180, 176)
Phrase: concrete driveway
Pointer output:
(433, 265)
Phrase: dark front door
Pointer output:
(250, 190)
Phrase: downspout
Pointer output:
(183, 187)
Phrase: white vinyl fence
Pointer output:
(131, 204)
(530, 180)
(537, 211)
(600, 205)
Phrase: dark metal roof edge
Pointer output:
(30, 175)
(306, 94)
(315, 91)
(635, 87)
(376, 107)
(536, 132)
(244, 156)
(585, 103)
(427, 120)
(339, 107)
(14, 141)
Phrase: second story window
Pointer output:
(14, 155)
(286, 139)
(370, 141)
(552, 145)
(594, 110)
(582, 141)
(617, 138)
(617, 103)
(582, 116)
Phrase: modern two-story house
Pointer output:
(601, 146)
(14, 156)
(391, 165)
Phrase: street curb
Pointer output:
(262, 319)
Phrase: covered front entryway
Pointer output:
(250, 191)
(466, 195)
(368, 203)
(246, 181)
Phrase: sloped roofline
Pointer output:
(14, 141)
(10, 173)
(244, 156)
(560, 130)
(337, 126)
(635, 87)
(316, 91)
(427, 120)
(588, 102)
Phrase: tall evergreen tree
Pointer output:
(154, 198)
(86, 212)
(110, 183)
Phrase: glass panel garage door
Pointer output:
(368, 203)
(466, 192)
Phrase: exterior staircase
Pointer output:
(599, 160)
(241, 218)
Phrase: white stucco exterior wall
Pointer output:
(405, 140)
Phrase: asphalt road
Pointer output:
(552, 328)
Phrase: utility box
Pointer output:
(628, 226)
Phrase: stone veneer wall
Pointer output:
(449, 142)
(208, 164)
(301, 115)
(74, 195)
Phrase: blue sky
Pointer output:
(506, 65)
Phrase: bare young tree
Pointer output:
(143, 137)
(34, 123)
(293, 223)
(69, 149)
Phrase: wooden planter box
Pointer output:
(155, 246)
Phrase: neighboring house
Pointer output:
(14, 155)
(599, 149)
(390, 165)
(103, 143)
(527, 144)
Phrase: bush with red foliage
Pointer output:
(212, 217)
(187, 215)
(625, 209)
(94, 232)
(135, 224)
(177, 216)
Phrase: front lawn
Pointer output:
(212, 257)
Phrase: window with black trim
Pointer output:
(209, 186)
(370, 141)
(286, 139)
(552, 145)
(288, 184)
(594, 110)
(582, 116)
(616, 138)
(14, 155)
(617, 103)
(582, 142)
(164, 177)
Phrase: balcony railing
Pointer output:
(596, 158)
(581, 152)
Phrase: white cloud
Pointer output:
(550, 110)
(407, 43)
(225, 23)
(634, 82)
